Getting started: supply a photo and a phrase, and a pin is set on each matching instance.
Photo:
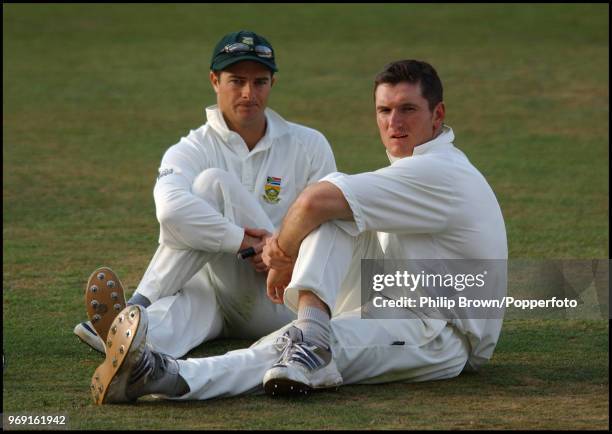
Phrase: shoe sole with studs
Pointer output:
(127, 333)
(104, 298)
(286, 387)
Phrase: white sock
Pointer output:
(314, 324)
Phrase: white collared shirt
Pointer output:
(432, 205)
(294, 155)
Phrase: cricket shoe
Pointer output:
(104, 299)
(301, 368)
(87, 334)
(131, 368)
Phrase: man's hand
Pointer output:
(274, 257)
(256, 238)
(281, 269)
(277, 282)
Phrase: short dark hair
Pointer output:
(413, 71)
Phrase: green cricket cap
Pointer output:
(243, 45)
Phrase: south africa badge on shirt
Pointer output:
(272, 190)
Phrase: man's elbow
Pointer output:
(307, 204)
(166, 216)
(320, 203)
(168, 202)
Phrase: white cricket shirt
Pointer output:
(432, 205)
(287, 159)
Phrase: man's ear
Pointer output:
(272, 81)
(214, 80)
(438, 115)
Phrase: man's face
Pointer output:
(242, 93)
(403, 117)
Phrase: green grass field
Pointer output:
(94, 94)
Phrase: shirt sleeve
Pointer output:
(187, 221)
(410, 196)
(322, 161)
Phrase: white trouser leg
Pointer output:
(370, 351)
(329, 265)
(204, 309)
(234, 373)
(170, 270)
(179, 321)
(364, 351)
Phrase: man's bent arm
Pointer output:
(317, 204)
(186, 220)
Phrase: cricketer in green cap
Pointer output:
(242, 45)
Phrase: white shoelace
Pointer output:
(283, 345)
(296, 352)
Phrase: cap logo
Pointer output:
(247, 40)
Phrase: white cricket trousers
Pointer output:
(198, 296)
(366, 351)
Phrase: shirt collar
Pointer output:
(276, 126)
(442, 140)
